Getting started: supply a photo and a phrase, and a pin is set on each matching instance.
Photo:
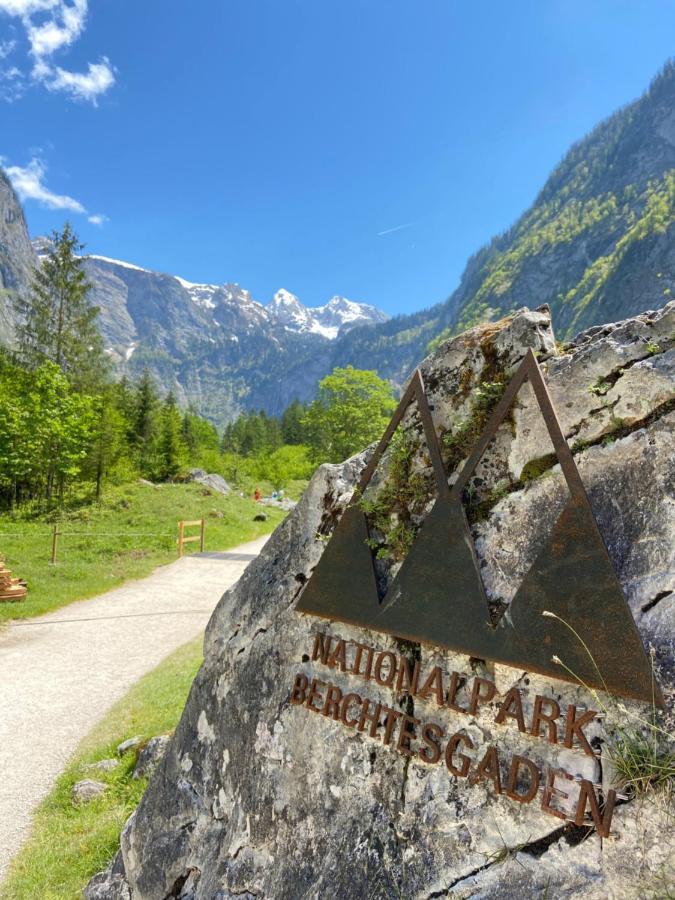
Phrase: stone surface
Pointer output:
(130, 744)
(104, 765)
(284, 503)
(257, 797)
(212, 481)
(88, 789)
(17, 258)
(150, 756)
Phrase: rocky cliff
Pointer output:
(17, 258)
(258, 796)
(216, 347)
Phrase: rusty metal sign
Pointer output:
(568, 620)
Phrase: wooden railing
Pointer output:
(182, 539)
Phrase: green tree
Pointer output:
(58, 324)
(199, 435)
(45, 432)
(351, 410)
(109, 444)
(146, 420)
(292, 429)
(172, 449)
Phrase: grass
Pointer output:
(126, 535)
(643, 759)
(69, 843)
(642, 752)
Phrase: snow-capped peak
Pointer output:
(285, 309)
(285, 298)
(117, 262)
(338, 314)
(222, 301)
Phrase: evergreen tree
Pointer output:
(145, 423)
(57, 322)
(109, 442)
(292, 430)
(198, 434)
(172, 449)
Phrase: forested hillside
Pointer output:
(597, 245)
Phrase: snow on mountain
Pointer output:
(118, 262)
(214, 345)
(341, 314)
(327, 321)
(226, 305)
(201, 294)
(285, 309)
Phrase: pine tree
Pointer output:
(291, 423)
(145, 422)
(57, 322)
(172, 449)
(109, 438)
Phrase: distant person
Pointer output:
(274, 495)
(257, 495)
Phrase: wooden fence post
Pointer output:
(182, 539)
(55, 542)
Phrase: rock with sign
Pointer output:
(318, 757)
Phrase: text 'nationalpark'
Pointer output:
(431, 743)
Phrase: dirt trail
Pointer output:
(60, 673)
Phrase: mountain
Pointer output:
(216, 347)
(338, 316)
(597, 244)
(16, 256)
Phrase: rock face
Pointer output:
(259, 797)
(150, 756)
(17, 258)
(210, 480)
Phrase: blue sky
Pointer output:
(355, 147)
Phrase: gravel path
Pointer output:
(59, 673)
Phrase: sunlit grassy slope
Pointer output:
(129, 532)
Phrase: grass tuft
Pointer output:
(643, 759)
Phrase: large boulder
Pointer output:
(210, 480)
(258, 797)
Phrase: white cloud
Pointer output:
(64, 23)
(61, 30)
(87, 85)
(12, 84)
(29, 185)
(6, 47)
(27, 7)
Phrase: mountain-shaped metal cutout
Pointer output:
(568, 619)
(343, 585)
